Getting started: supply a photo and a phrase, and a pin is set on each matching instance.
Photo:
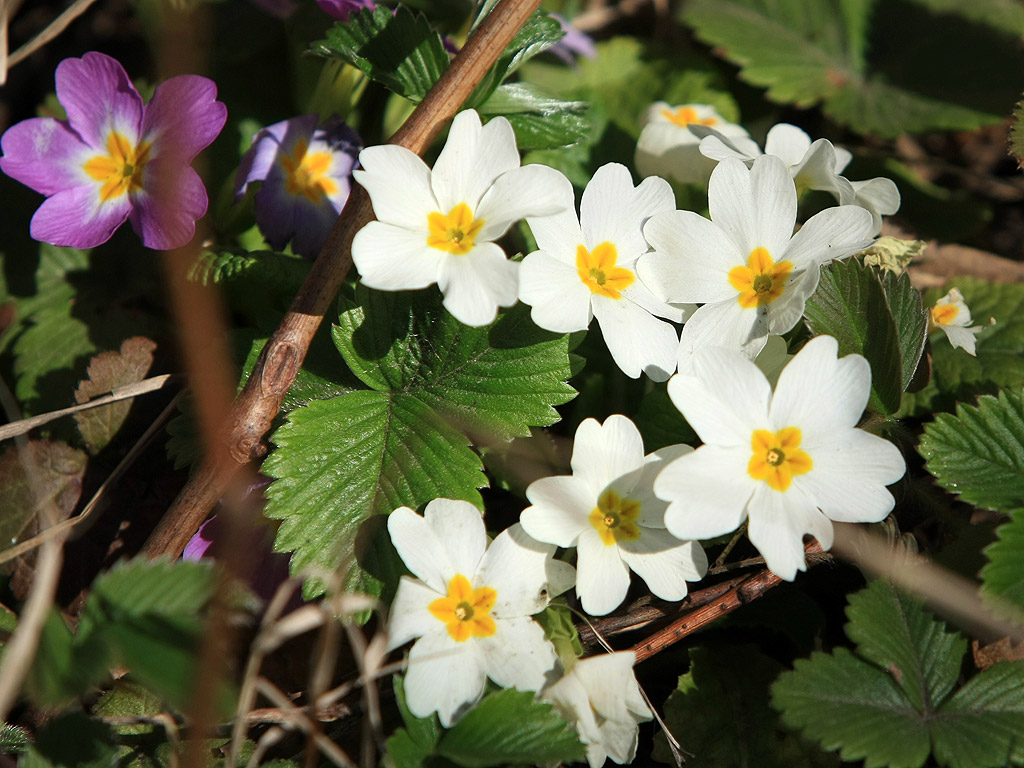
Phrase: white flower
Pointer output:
(746, 265)
(608, 511)
(600, 696)
(668, 148)
(813, 165)
(470, 607)
(584, 268)
(790, 461)
(438, 226)
(951, 315)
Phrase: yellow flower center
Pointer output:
(306, 173)
(684, 116)
(943, 314)
(454, 233)
(777, 457)
(614, 518)
(598, 272)
(762, 281)
(466, 611)
(121, 168)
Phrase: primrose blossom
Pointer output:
(813, 165)
(585, 268)
(750, 272)
(439, 226)
(116, 159)
(789, 462)
(668, 146)
(306, 174)
(608, 511)
(470, 607)
(952, 316)
(599, 695)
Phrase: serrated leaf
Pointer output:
(495, 382)
(911, 321)
(959, 377)
(1003, 575)
(338, 462)
(808, 52)
(720, 713)
(979, 452)
(510, 727)
(398, 50)
(129, 699)
(894, 631)
(13, 739)
(152, 588)
(850, 304)
(284, 273)
(106, 372)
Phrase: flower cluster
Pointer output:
(952, 316)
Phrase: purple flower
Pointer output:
(342, 9)
(115, 158)
(306, 172)
(575, 43)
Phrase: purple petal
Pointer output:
(342, 9)
(201, 542)
(275, 214)
(575, 43)
(44, 154)
(312, 226)
(76, 218)
(173, 196)
(98, 96)
(259, 159)
(183, 118)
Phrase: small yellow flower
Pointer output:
(306, 173)
(762, 281)
(455, 233)
(777, 457)
(121, 168)
(598, 272)
(466, 611)
(614, 518)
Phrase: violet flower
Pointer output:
(342, 9)
(575, 43)
(115, 158)
(306, 172)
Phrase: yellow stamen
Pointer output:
(777, 457)
(598, 272)
(762, 281)
(454, 233)
(614, 518)
(684, 116)
(121, 168)
(466, 611)
(943, 314)
(306, 173)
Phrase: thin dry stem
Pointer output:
(51, 31)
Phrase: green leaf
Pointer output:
(808, 52)
(62, 669)
(510, 727)
(660, 422)
(1004, 15)
(129, 699)
(959, 377)
(540, 121)
(284, 273)
(1017, 135)
(851, 305)
(911, 321)
(398, 50)
(979, 453)
(338, 462)
(721, 715)
(73, 741)
(1003, 575)
(13, 739)
(411, 746)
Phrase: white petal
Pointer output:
(602, 579)
(605, 679)
(785, 312)
(835, 233)
(819, 393)
(778, 522)
(724, 324)
(671, 151)
(717, 146)
(518, 655)
(962, 338)
(849, 475)
(516, 567)
(561, 509)
(775, 200)
(472, 158)
(619, 739)
(423, 553)
(708, 490)
(664, 562)
(817, 170)
(391, 258)
(602, 453)
(638, 341)
(444, 676)
(460, 528)
(398, 182)
(570, 698)
(613, 211)
(410, 615)
(533, 190)
(641, 295)
(652, 509)
(559, 234)
(787, 142)
(477, 283)
(691, 259)
(560, 301)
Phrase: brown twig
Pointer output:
(281, 358)
(747, 590)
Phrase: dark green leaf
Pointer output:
(1017, 135)
(13, 739)
(510, 727)
(63, 669)
(398, 50)
(73, 741)
(850, 304)
(128, 699)
(982, 724)
(283, 273)
(1003, 575)
(979, 453)
(660, 422)
(911, 321)
(1004, 15)
(539, 121)
(538, 34)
